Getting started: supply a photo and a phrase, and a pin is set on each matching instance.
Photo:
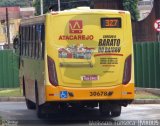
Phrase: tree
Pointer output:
(36, 4)
(46, 5)
(21, 3)
(131, 5)
(65, 4)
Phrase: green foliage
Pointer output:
(36, 4)
(12, 92)
(49, 3)
(21, 3)
(46, 5)
(131, 5)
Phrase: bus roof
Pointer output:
(33, 20)
(78, 10)
(88, 10)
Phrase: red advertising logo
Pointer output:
(75, 26)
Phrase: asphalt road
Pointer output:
(135, 113)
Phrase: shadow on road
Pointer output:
(71, 117)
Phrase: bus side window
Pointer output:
(23, 40)
(20, 36)
(33, 41)
(24, 35)
(28, 40)
(43, 40)
(40, 42)
(26, 46)
(37, 41)
(40, 39)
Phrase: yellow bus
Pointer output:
(77, 58)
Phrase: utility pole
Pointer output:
(41, 2)
(59, 5)
(8, 30)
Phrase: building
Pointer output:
(13, 26)
(16, 12)
(14, 15)
(145, 7)
(27, 12)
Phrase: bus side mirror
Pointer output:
(16, 42)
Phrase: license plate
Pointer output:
(90, 78)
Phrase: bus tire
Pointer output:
(104, 108)
(39, 112)
(116, 110)
(30, 104)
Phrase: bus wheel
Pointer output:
(116, 110)
(39, 112)
(104, 108)
(30, 104)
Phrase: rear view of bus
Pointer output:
(89, 59)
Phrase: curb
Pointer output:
(12, 99)
(146, 101)
(136, 101)
(155, 91)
